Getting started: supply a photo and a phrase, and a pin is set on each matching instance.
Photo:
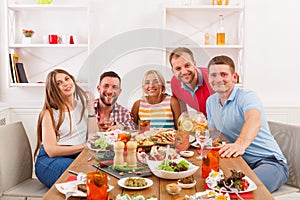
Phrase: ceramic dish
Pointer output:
(192, 138)
(214, 177)
(187, 185)
(153, 165)
(196, 145)
(72, 186)
(186, 153)
(173, 188)
(121, 183)
(252, 187)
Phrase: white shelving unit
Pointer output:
(192, 22)
(39, 57)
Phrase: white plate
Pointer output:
(121, 183)
(186, 153)
(196, 145)
(192, 138)
(187, 185)
(252, 186)
(71, 186)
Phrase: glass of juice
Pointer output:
(97, 185)
(144, 125)
(210, 161)
(182, 141)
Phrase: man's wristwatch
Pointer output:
(90, 116)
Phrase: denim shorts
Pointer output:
(48, 170)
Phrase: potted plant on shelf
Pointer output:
(27, 36)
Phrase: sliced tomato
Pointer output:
(245, 184)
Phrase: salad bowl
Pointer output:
(155, 167)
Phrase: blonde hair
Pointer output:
(160, 78)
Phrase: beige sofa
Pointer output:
(288, 138)
(16, 181)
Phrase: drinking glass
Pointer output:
(144, 125)
(201, 138)
(97, 185)
(104, 125)
(182, 141)
(210, 162)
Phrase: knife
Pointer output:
(73, 172)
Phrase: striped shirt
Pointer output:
(160, 115)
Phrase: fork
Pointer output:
(236, 192)
(68, 194)
(233, 189)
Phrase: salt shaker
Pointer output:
(131, 153)
(119, 153)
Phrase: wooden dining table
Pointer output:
(83, 164)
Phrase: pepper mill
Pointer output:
(119, 153)
(131, 153)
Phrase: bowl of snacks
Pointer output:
(145, 144)
(187, 182)
(172, 169)
(173, 188)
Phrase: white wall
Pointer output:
(271, 49)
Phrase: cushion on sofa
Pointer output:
(288, 138)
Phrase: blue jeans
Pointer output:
(48, 170)
(271, 172)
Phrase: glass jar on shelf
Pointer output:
(220, 35)
(220, 2)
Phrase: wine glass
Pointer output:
(104, 125)
(201, 138)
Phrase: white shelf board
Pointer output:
(48, 46)
(28, 7)
(207, 46)
(203, 7)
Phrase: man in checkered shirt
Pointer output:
(110, 114)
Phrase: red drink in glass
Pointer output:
(97, 185)
(210, 161)
(144, 125)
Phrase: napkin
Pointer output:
(72, 178)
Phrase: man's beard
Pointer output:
(108, 104)
(188, 81)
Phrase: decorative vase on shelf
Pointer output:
(26, 40)
(27, 36)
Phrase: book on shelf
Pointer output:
(13, 59)
(21, 73)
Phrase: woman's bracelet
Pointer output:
(90, 116)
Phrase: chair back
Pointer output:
(15, 156)
(288, 139)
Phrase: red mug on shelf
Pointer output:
(54, 39)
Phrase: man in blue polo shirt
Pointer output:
(238, 114)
